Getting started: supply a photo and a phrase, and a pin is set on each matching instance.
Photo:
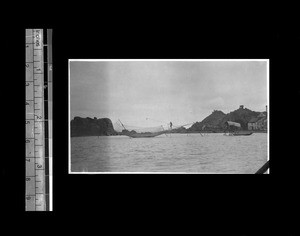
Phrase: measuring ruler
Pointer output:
(38, 122)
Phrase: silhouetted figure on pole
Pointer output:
(171, 125)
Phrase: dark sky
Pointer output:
(177, 91)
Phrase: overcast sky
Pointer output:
(177, 91)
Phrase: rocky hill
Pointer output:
(211, 122)
(91, 127)
(241, 115)
(216, 120)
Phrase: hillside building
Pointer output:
(259, 123)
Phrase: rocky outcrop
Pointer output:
(125, 131)
(91, 127)
(211, 122)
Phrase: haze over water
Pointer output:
(192, 153)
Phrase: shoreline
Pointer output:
(191, 132)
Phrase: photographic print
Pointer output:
(168, 116)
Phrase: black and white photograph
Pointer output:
(168, 116)
(151, 123)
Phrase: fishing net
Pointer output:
(119, 128)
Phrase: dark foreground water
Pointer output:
(211, 153)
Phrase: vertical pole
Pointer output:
(122, 124)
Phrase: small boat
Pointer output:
(241, 133)
(144, 135)
(234, 129)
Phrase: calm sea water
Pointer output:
(211, 153)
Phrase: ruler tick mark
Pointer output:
(39, 104)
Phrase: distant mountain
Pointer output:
(91, 127)
(216, 120)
